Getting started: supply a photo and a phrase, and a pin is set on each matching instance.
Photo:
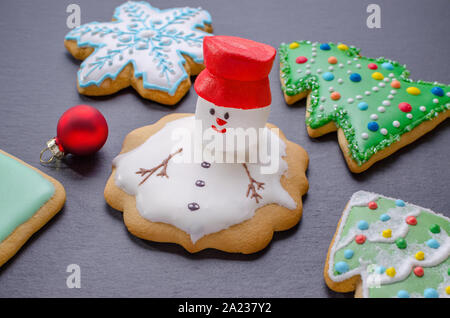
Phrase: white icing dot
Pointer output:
(350, 100)
(359, 97)
(314, 54)
(409, 116)
(386, 79)
(386, 103)
(321, 108)
(448, 94)
(340, 81)
(331, 88)
(323, 98)
(312, 61)
(364, 135)
(396, 123)
(390, 96)
(393, 92)
(383, 131)
(358, 65)
(435, 100)
(381, 84)
(391, 75)
(313, 48)
(331, 68)
(319, 71)
(381, 109)
(355, 59)
(341, 65)
(349, 62)
(367, 93)
(374, 116)
(375, 89)
(299, 71)
(349, 72)
(308, 66)
(314, 44)
(308, 72)
(422, 108)
(335, 106)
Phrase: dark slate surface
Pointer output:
(38, 84)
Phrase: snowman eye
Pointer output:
(212, 111)
(226, 116)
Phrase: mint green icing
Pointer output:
(348, 116)
(23, 192)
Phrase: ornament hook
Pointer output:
(53, 147)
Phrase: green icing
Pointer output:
(368, 252)
(347, 115)
(23, 191)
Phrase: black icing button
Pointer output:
(200, 183)
(206, 164)
(193, 206)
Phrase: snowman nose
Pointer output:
(220, 121)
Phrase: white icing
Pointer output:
(222, 200)
(150, 39)
(402, 260)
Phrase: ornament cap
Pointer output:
(54, 148)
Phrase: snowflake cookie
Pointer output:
(153, 50)
(372, 103)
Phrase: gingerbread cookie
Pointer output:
(167, 194)
(28, 199)
(372, 104)
(155, 51)
(385, 247)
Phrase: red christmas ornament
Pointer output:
(82, 130)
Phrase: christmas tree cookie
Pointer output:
(385, 247)
(372, 104)
(28, 200)
(171, 190)
(153, 50)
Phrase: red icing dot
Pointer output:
(301, 60)
(411, 220)
(395, 84)
(360, 239)
(332, 60)
(405, 107)
(418, 271)
(372, 66)
(335, 96)
(372, 205)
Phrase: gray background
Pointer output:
(38, 83)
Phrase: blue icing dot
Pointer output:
(384, 217)
(341, 267)
(402, 294)
(363, 225)
(355, 77)
(399, 202)
(387, 66)
(433, 243)
(372, 126)
(348, 253)
(325, 47)
(380, 269)
(328, 76)
(363, 106)
(437, 91)
(431, 293)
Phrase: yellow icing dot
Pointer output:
(387, 233)
(447, 290)
(378, 76)
(420, 255)
(413, 90)
(342, 47)
(390, 271)
(294, 45)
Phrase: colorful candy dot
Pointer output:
(413, 90)
(390, 272)
(411, 220)
(438, 91)
(363, 106)
(342, 47)
(433, 243)
(401, 243)
(384, 217)
(328, 76)
(373, 126)
(420, 256)
(372, 205)
(400, 203)
(395, 84)
(430, 293)
(418, 271)
(387, 233)
(363, 225)
(341, 267)
(355, 77)
(332, 60)
(372, 66)
(377, 76)
(447, 290)
(294, 45)
(435, 229)
(402, 294)
(405, 107)
(387, 66)
(383, 131)
(301, 59)
(325, 47)
(360, 239)
(380, 269)
(348, 254)
(335, 96)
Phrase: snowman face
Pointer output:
(220, 119)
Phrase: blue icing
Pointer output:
(355, 77)
(387, 66)
(433, 243)
(402, 294)
(348, 254)
(328, 76)
(341, 267)
(438, 91)
(384, 217)
(363, 225)
(363, 106)
(373, 126)
(399, 202)
(430, 293)
(380, 269)
(325, 47)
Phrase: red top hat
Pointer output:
(236, 73)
